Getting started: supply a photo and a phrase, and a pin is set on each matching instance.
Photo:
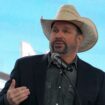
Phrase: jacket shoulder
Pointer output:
(34, 58)
(89, 67)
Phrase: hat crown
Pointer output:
(67, 12)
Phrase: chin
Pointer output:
(60, 52)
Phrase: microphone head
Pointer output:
(55, 56)
(56, 59)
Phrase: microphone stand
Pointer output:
(62, 72)
(61, 65)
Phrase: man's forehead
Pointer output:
(63, 23)
(68, 24)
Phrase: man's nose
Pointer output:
(59, 34)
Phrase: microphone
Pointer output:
(59, 62)
(57, 58)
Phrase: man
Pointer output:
(59, 77)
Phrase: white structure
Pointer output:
(26, 49)
(3, 78)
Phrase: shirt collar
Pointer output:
(74, 62)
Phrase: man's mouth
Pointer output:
(58, 44)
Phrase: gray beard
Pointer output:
(53, 50)
(65, 50)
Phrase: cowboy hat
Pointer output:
(69, 13)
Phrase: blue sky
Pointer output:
(20, 20)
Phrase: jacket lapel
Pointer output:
(82, 82)
(40, 77)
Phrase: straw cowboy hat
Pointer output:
(69, 13)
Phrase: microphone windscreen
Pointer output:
(54, 56)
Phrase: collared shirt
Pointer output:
(59, 87)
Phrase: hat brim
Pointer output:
(87, 27)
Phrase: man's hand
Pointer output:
(16, 95)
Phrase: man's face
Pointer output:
(64, 38)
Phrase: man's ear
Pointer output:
(80, 39)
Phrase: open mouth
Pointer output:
(58, 44)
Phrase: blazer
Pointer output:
(31, 72)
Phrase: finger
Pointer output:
(19, 91)
(20, 96)
(23, 99)
(13, 84)
(15, 95)
(18, 101)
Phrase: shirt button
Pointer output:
(48, 85)
(57, 104)
(70, 86)
(59, 87)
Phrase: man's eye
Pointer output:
(54, 30)
(65, 31)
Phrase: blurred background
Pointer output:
(21, 33)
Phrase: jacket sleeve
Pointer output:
(101, 95)
(13, 75)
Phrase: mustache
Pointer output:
(58, 40)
